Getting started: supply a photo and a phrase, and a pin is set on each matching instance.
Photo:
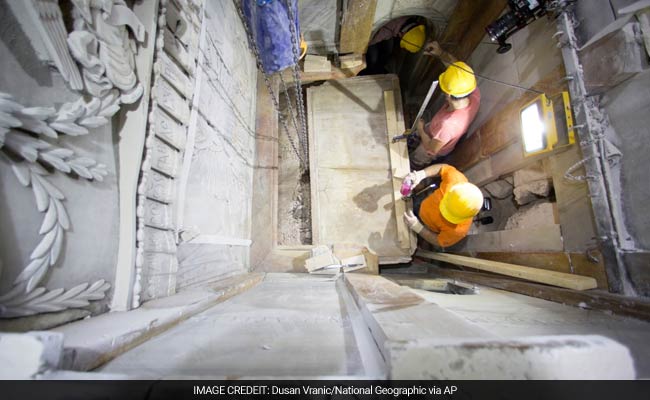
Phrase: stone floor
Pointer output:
(511, 315)
(290, 325)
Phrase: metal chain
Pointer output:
(296, 79)
(292, 113)
(253, 45)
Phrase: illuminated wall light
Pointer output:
(544, 127)
(532, 128)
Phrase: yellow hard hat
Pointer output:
(413, 40)
(303, 47)
(458, 80)
(462, 202)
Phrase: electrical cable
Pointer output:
(512, 85)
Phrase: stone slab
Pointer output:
(92, 342)
(531, 358)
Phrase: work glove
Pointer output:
(433, 49)
(413, 222)
(415, 177)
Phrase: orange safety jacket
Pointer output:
(448, 233)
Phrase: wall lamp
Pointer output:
(546, 124)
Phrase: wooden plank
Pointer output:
(356, 26)
(335, 73)
(398, 153)
(569, 281)
(577, 263)
(314, 63)
(593, 299)
(466, 27)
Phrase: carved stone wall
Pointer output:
(177, 46)
(217, 181)
(60, 87)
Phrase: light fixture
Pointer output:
(546, 125)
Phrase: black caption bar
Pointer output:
(177, 390)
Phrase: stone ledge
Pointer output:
(92, 342)
(421, 340)
(571, 357)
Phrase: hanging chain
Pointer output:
(296, 79)
(258, 60)
(292, 113)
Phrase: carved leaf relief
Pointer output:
(97, 59)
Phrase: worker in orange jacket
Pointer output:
(445, 216)
(439, 137)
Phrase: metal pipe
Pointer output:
(608, 226)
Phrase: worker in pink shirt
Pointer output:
(439, 137)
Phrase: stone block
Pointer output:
(532, 216)
(547, 357)
(532, 191)
(613, 58)
(500, 189)
(529, 174)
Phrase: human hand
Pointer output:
(420, 124)
(433, 49)
(412, 222)
(415, 177)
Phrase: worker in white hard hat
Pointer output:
(439, 137)
(411, 33)
(445, 216)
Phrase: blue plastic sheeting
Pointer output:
(269, 22)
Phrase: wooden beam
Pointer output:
(399, 166)
(565, 262)
(335, 73)
(356, 26)
(569, 281)
(593, 299)
(466, 27)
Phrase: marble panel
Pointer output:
(164, 158)
(158, 215)
(168, 129)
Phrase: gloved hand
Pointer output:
(415, 177)
(432, 49)
(413, 222)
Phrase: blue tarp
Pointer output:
(269, 22)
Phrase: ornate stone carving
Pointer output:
(175, 76)
(47, 19)
(173, 87)
(157, 215)
(159, 241)
(101, 46)
(158, 187)
(171, 101)
(164, 158)
(168, 129)
(159, 276)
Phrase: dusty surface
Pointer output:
(352, 193)
(289, 325)
(510, 315)
(294, 197)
